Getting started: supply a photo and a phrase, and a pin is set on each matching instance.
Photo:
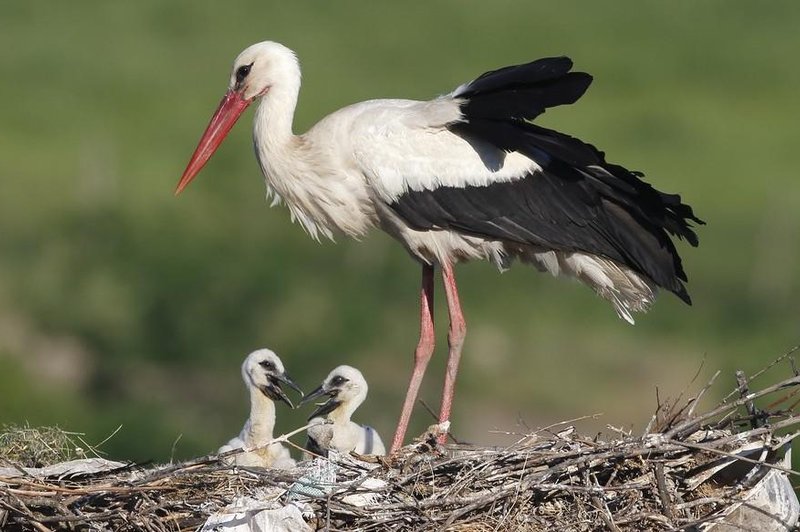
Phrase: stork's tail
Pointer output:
(626, 289)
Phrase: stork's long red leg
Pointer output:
(422, 355)
(455, 340)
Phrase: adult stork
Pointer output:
(463, 176)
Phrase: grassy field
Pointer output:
(120, 304)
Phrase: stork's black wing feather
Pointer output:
(571, 211)
(577, 202)
(314, 447)
(523, 91)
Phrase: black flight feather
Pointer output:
(578, 202)
(523, 91)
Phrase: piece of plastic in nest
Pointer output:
(251, 516)
(770, 506)
(81, 466)
(319, 480)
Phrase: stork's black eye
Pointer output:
(338, 380)
(267, 365)
(242, 72)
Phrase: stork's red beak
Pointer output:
(228, 112)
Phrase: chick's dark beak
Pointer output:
(285, 379)
(323, 408)
(313, 394)
(274, 391)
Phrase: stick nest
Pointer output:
(685, 471)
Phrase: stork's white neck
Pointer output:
(300, 172)
(272, 131)
(261, 424)
(346, 409)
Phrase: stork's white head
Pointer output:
(260, 69)
(345, 386)
(263, 370)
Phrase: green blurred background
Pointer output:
(122, 305)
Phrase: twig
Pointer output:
(740, 458)
(32, 519)
(744, 392)
(174, 446)
(763, 370)
(435, 416)
(605, 514)
(663, 494)
(213, 458)
(692, 424)
(696, 400)
(114, 433)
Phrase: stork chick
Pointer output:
(263, 374)
(346, 389)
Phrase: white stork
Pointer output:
(346, 389)
(464, 176)
(263, 375)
